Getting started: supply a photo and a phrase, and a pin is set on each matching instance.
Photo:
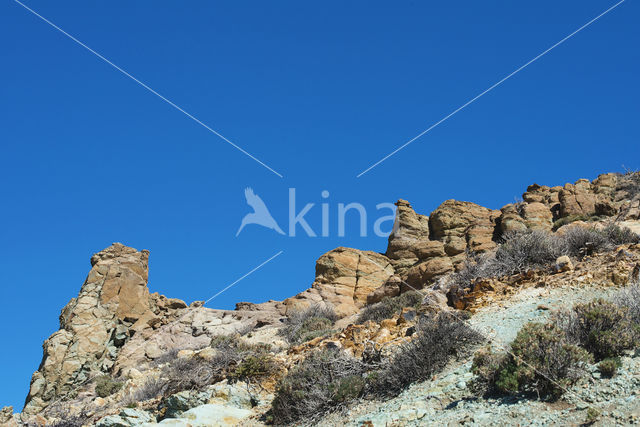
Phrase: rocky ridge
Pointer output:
(117, 327)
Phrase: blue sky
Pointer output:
(318, 92)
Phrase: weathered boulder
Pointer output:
(463, 226)
(563, 264)
(537, 216)
(542, 194)
(7, 418)
(391, 288)
(344, 278)
(577, 199)
(408, 229)
(426, 272)
(511, 219)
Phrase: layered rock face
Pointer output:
(344, 278)
(93, 325)
(424, 248)
(116, 326)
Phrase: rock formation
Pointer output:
(115, 326)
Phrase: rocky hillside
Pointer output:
(124, 356)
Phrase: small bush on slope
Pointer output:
(438, 340)
(329, 379)
(609, 367)
(307, 324)
(629, 299)
(152, 388)
(629, 182)
(254, 368)
(537, 249)
(233, 358)
(325, 380)
(540, 361)
(106, 386)
(601, 327)
(389, 306)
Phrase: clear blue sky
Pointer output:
(318, 92)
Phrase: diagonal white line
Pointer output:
(472, 100)
(241, 278)
(195, 119)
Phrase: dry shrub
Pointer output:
(439, 339)
(327, 379)
(152, 388)
(629, 183)
(629, 299)
(538, 249)
(233, 359)
(305, 325)
(389, 306)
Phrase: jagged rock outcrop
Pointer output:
(463, 226)
(344, 278)
(94, 325)
(117, 327)
(409, 229)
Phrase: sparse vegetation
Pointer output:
(438, 340)
(152, 388)
(106, 386)
(254, 368)
(609, 367)
(234, 358)
(537, 249)
(540, 361)
(603, 328)
(305, 325)
(592, 415)
(573, 218)
(629, 182)
(325, 380)
(629, 299)
(166, 357)
(389, 306)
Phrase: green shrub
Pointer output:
(305, 325)
(604, 329)
(348, 388)
(325, 380)
(609, 367)
(438, 340)
(390, 306)
(106, 386)
(254, 368)
(540, 361)
(592, 415)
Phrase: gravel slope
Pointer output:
(446, 400)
